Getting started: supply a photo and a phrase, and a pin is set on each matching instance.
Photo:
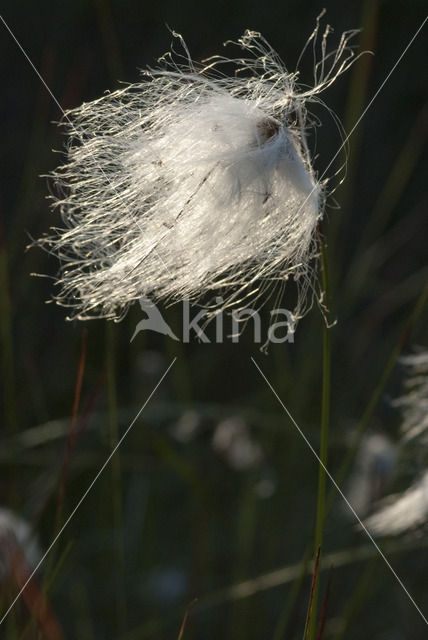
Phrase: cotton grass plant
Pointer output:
(249, 195)
(194, 181)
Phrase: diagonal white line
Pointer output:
(42, 80)
(34, 68)
(349, 505)
(374, 96)
(60, 532)
(345, 141)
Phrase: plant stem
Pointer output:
(325, 420)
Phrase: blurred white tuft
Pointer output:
(193, 181)
(374, 468)
(19, 549)
(232, 439)
(409, 509)
(401, 512)
(414, 402)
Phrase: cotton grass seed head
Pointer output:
(193, 181)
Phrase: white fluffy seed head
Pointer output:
(192, 181)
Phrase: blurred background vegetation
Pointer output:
(213, 488)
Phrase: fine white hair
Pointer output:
(193, 181)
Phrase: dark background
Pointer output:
(170, 521)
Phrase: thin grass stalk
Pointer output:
(311, 614)
(325, 420)
(323, 613)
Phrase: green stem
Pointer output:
(325, 420)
